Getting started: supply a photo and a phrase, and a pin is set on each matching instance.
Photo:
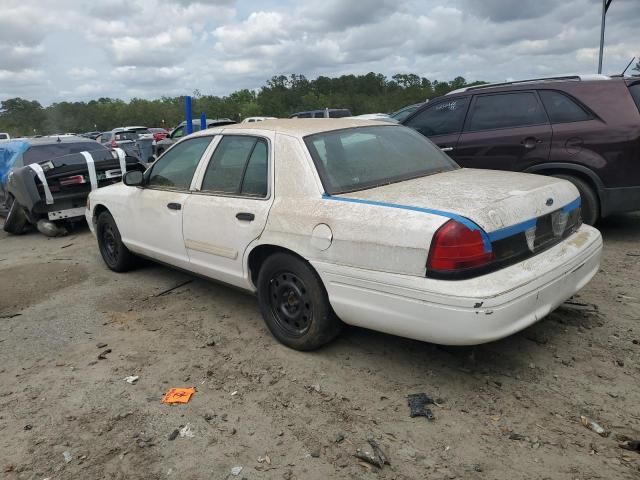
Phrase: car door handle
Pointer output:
(174, 206)
(245, 216)
(446, 149)
(531, 142)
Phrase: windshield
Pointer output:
(403, 113)
(366, 157)
(39, 153)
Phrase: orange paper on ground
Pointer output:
(178, 395)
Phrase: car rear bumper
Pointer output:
(465, 312)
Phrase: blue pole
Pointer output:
(203, 121)
(188, 114)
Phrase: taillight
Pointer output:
(73, 180)
(457, 249)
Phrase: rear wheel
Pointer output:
(16, 219)
(590, 204)
(294, 303)
(114, 253)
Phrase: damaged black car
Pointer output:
(45, 181)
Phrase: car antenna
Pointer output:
(628, 65)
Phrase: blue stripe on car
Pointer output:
(487, 238)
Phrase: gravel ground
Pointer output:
(509, 409)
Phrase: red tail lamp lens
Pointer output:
(455, 247)
(73, 180)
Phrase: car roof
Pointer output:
(532, 81)
(296, 126)
(54, 140)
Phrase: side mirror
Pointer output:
(134, 178)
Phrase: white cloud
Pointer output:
(82, 72)
(150, 48)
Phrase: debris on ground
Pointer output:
(101, 345)
(339, 438)
(266, 459)
(67, 456)
(103, 354)
(593, 426)
(28, 426)
(131, 379)
(178, 395)
(418, 405)
(579, 306)
(173, 435)
(515, 436)
(375, 457)
(186, 432)
(633, 445)
(169, 290)
(235, 471)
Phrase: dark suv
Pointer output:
(585, 129)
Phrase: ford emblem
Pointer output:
(549, 202)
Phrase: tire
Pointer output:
(16, 220)
(114, 253)
(590, 204)
(294, 303)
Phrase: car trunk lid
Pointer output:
(496, 201)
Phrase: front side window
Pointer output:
(366, 157)
(178, 132)
(176, 167)
(239, 166)
(506, 110)
(561, 108)
(442, 118)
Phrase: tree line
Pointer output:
(281, 96)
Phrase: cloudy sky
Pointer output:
(84, 49)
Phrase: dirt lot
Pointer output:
(507, 410)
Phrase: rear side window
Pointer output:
(490, 112)
(440, 119)
(238, 167)
(561, 108)
(635, 93)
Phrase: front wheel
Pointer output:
(114, 253)
(294, 303)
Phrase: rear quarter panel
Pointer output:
(365, 236)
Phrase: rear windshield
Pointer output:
(41, 153)
(365, 157)
(635, 93)
(127, 135)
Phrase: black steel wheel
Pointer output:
(290, 303)
(294, 303)
(114, 253)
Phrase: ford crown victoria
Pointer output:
(361, 222)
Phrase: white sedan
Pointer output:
(353, 221)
